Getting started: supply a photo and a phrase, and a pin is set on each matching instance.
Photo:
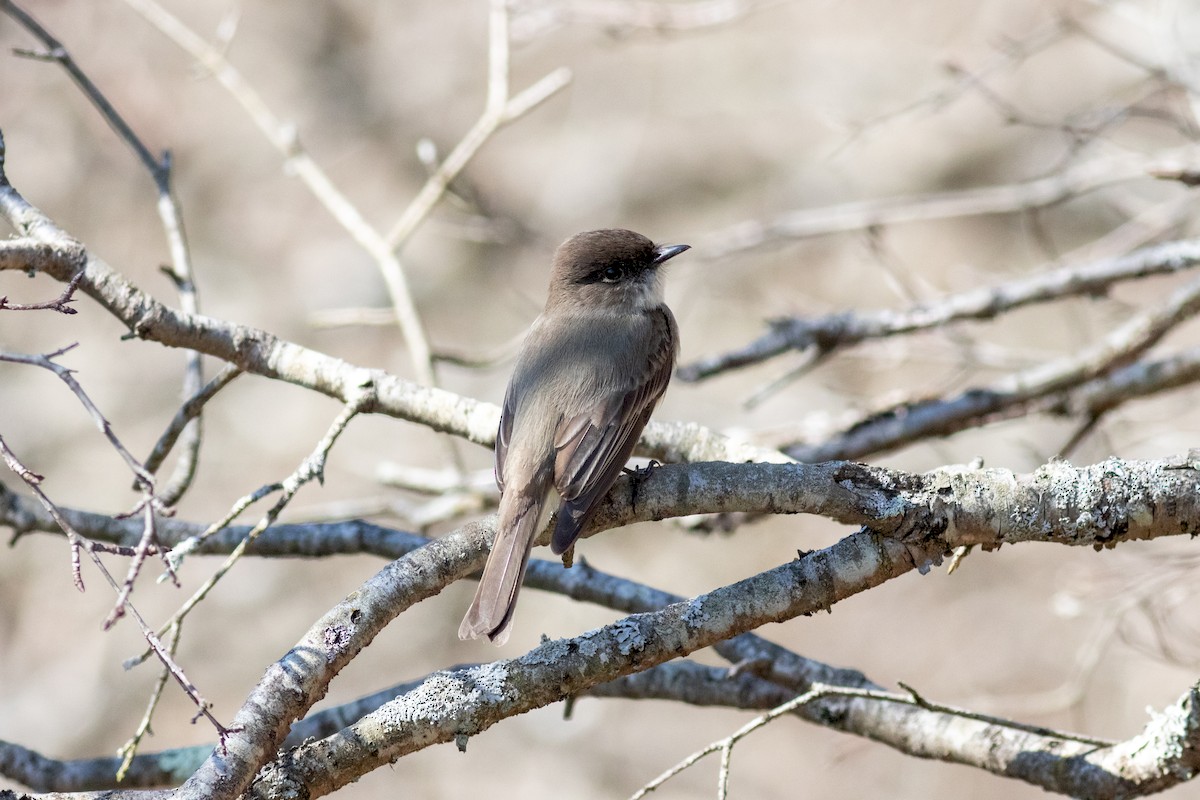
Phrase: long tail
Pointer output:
(491, 611)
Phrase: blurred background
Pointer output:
(683, 121)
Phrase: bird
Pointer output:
(588, 375)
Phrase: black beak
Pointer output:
(665, 251)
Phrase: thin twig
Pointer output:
(147, 545)
(81, 543)
(433, 481)
(534, 20)
(128, 750)
(311, 468)
(149, 505)
(190, 410)
(46, 361)
(352, 317)
(55, 51)
(266, 354)
(181, 275)
(298, 162)
(285, 138)
(499, 110)
(1010, 52)
(59, 304)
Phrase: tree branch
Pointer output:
(919, 523)
(838, 331)
(908, 422)
(921, 516)
(1003, 199)
(171, 216)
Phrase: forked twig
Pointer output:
(499, 110)
(285, 139)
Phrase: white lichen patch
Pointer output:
(694, 615)
(441, 695)
(629, 636)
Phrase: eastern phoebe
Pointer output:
(589, 374)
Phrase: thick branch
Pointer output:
(1095, 506)
(63, 257)
(454, 704)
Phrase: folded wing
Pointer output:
(591, 447)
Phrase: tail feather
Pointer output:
(491, 611)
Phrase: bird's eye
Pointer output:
(611, 275)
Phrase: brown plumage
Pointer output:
(588, 376)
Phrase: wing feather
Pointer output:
(592, 447)
(504, 435)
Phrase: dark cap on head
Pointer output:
(608, 256)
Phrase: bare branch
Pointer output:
(499, 111)
(1140, 379)
(55, 51)
(79, 544)
(59, 304)
(684, 682)
(312, 468)
(1151, 500)
(1009, 52)
(285, 138)
(1148, 504)
(471, 699)
(128, 751)
(265, 354)
(538, 18)
(309, 540)
(847, 329)
(65, 257)
(909, 422)
(974, 499)
(189, 411)
(169, 212)
(819, 692)
(145, 481)
(293, 684)
(1005, 199)
(434, 481)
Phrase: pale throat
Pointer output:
(645, 294)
